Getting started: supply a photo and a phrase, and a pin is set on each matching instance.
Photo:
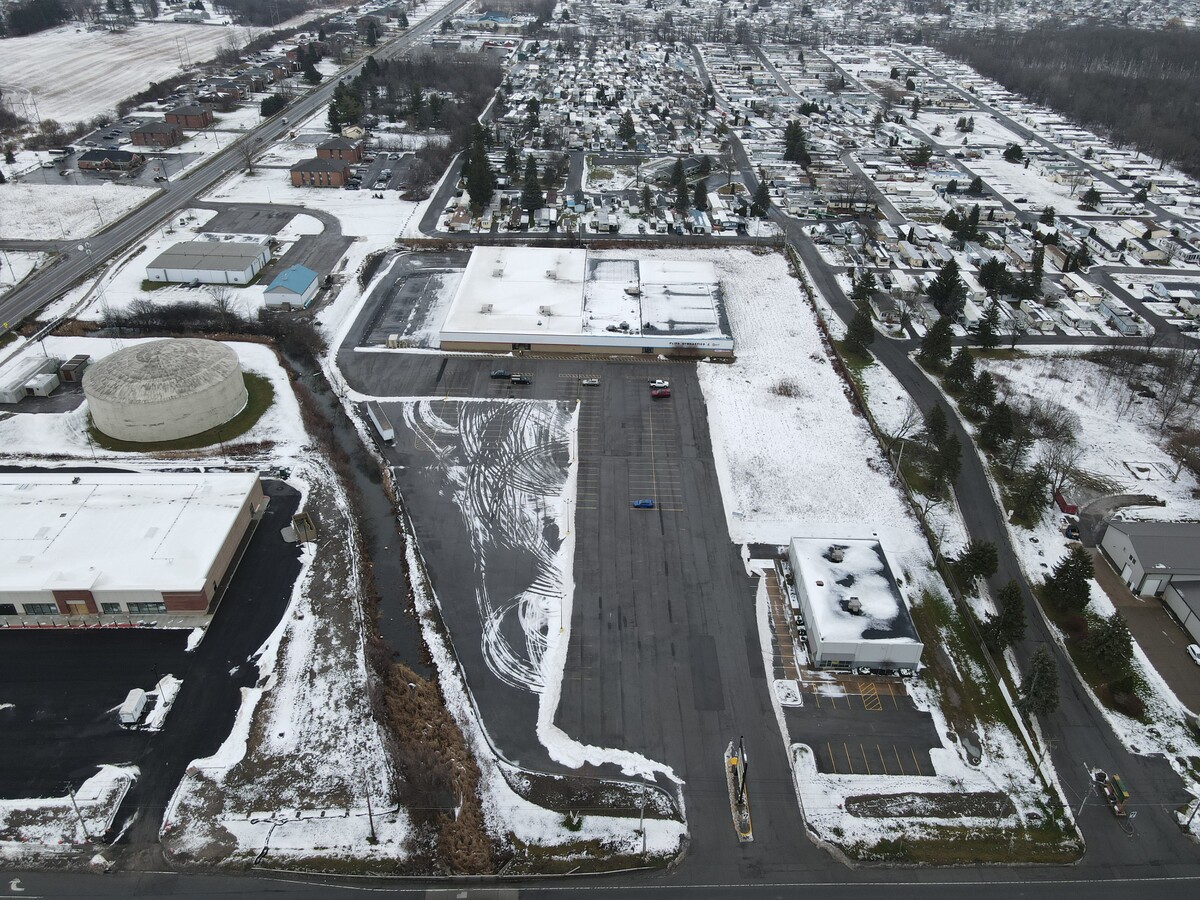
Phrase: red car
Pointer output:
(660, 393)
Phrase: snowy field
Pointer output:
(988, 132)
(50, 825)
(277, 437)
(792, 456)
(16, 265)
(49, 212)
(1013, 180)
(93, 70)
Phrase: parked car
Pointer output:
(499, 373)
(521, 378)
(644, 503)
(1193, 651)
(660, 393)
(590, 382)
(659, 383)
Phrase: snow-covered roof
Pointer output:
(852, 593)
(115, 532)
(531, 291)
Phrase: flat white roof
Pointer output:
(550, 295)
(832, 584)
(114, 532)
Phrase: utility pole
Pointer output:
(371, 817)
(78, 814)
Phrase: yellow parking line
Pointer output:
(865, 763)
(832, 758)
(849, 764)
(879, 750)
(915, 762)
(900, 764)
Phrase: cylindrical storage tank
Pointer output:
(164, 390)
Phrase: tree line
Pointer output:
(1141, 88)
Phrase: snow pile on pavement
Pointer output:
(309, 714)
(52, 825)
(56, 211)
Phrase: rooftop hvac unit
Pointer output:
(498, 272)
(552, 275)
(486, 308)
(544, 311)
(854, 606)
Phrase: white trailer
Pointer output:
(131, 710)
(381, 422)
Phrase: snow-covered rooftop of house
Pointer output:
(110, 532)
(547, 291)
(852, 593)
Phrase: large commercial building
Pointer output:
(74, 547)
(571, 301)
(853, 609)
(1152, 555)
(212, 259)
(165, 390)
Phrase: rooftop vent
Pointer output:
(486, 309)
(854, 606)
(836, 553)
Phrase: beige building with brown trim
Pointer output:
(85, 548)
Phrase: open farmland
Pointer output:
(92, 70)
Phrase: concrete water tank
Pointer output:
(164, 390)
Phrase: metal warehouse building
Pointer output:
(212, 259)
(74, 547)
(853, 608)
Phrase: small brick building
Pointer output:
(156, 134)
(340, 148)
(318, 172)
(191, 116)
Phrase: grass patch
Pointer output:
(148, 285)
(601, 174)
(854, 360)
(7, 338)
(958, 845)
(260, 395)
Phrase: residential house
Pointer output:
(318, 172)
(1105, 249)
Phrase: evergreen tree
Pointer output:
(512, 161)
(762, 199)
(1067, 586)
(372, 32)
(478, 174)
(947, 292)
(864, 287)
(681, 198)
(920, 157)
(861, 332)
(960, 374)
(1031, 492)
(531, 190)
(981, 393)
(987, 332)
(948, 461)
(1039, 687)
(700, 195)
(1007, 627)
(916, 106)
(1013, 153)
(993, 278)
(976, 185)
(1110, 644)
(1090, 198)
(3, 179)
(647, 199)
(678, 176)
(1047, 216)
(627, 131)
(795, 144)
(997, 428)
(978, 560)
(706, 165)
(9, 156)
(936, 345)
(936, 427)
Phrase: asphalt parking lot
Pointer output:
(400, 301)
(64, 685)
(863, 726)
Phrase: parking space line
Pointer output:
(882, 762)
(865, 763)
(900, 764)
(849, 764)
(832, 759)
(869, 694)
(916, 762)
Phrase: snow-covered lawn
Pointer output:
(988, 132)
(74, 75)
(48, 212)
(51, 825)
(16, 265)
(308, 714)
(1014, 181)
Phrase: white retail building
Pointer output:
(78, 546)
(853, 609)
(562, 300)
(212, 258)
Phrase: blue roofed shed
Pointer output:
(293, 288)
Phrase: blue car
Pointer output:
(645, 503)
